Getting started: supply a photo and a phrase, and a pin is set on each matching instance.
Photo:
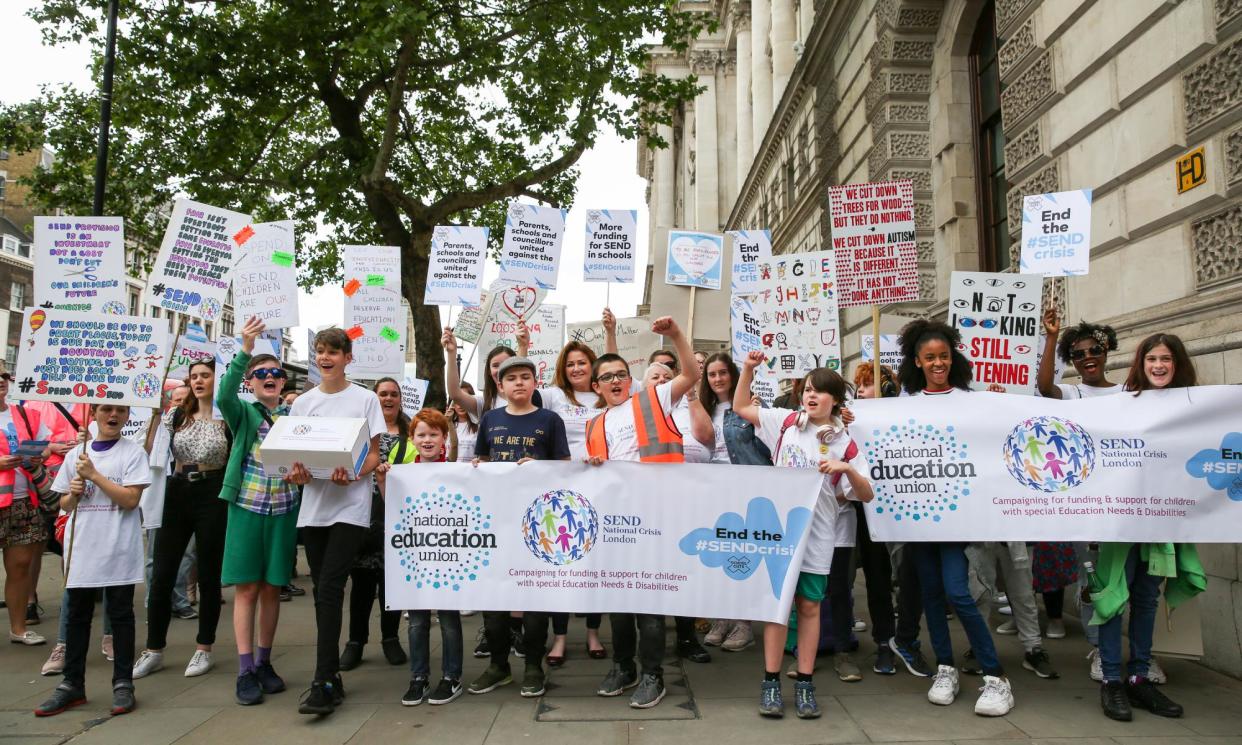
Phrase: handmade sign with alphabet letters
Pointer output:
(374, 318)
(265, 283)
(795, 313)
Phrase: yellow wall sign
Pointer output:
(1191, 170)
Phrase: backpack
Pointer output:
(851, 450)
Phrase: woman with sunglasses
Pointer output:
(192, 508)
(1086, 346)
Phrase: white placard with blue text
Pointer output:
(749, 248)
(455, 270)
(532, 247)
(694, 259)
(1056, 233)
(79, 264)
(265, 283)
(611, 245)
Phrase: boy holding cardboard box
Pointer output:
(335, 514)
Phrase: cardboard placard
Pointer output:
(79, 264)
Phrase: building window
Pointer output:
(12, 245)
(10, 357)
(133, 303)
(791, 194)
(4, 177)
(155, 311)
(207, 329)
(17, 296)
(226, 325)
(991, 186)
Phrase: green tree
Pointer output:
(372, 120)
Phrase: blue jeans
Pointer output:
(944, 572)
(1144, 600)
(451, 649)
(61, 637)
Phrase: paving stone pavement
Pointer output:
(713, 703)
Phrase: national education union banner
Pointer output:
(704, 540)
(1163, 466)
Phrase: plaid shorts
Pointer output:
(21, 524)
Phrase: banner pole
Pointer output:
(608, 295)
(450, 316)
(875, 350)
(690, 325)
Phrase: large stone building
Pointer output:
(979, 102)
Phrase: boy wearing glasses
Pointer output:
(263, 515)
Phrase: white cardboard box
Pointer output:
(321, 444)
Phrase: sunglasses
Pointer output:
(609, 377)
(1094, 351)
(263, 373)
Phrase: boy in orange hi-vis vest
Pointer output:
(638, 427)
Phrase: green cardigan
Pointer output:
(243, 420)
(1179, 562)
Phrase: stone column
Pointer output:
(760, 71)
(688, 147)
(706, 178)
(745, 126)
(662, 181)
(784, 34)
(806, 19)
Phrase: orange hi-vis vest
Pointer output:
(659, 440)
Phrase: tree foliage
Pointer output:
(366, 121)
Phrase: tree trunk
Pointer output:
(428, 354)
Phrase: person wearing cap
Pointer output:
(517, 433)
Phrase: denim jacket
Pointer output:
(745, 447)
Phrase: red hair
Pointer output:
(435, 420)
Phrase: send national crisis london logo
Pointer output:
(919, 471)
(1049, 454)
(560, 527)
(443, 539)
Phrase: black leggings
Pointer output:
(1054, 602)
(560, 622)
(367, 585)
(191, 508)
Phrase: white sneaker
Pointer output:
(944, 686)
(859, 625)
(200, 663)
(1097, 667)
(740, 637)
(1008, 628)
(996, 697)
(1005, 610)
(1056, 629)
(1155, 674)
(55, 664)
(1002, 599)
(28, 639)
(715, 636)
(148, 662)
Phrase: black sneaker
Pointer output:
(1114, 702)
(269, 681)
(617, 680)
(185, 614)
(317, 700)
(970, 665)
(519, 643)
(293, 590)
(62, 698)
(249, 691)
(690, 649)
(650, 692)
(448, 690)
(416, 693)
(1037, 661)
(351, 656)
(338, 690)
(123, 701)
(285, 595)
(1144, 694)
(482, 649)
(911, 655)
(885, 661)
(32, 614)
(393, 651)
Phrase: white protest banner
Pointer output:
(745, 329)
(611, 245)
(890, 350)
(455, 270)
(873, 235)
(711, 541)
(694, 259)
(547, 336)
(998, 317)
(413, 394)
(374, 319)
(469, 322)
(532, 247)
(1056, 233)
(79, 264)
(226, 349)
(265, 282)
(1164, 466)
(313, 376)
(795, 314)
(635, 340)
(514, 301)
(195, 264)
(749, 248)
(92, 358)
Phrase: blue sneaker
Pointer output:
(805, 704)
(912, 655)
(770, 702)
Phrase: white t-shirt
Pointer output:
(21, 484)
(695, 451)
(323, 502)
(106, 546)
(619, 425)
(1081, 390)
(801, 448)
(499, 403)
(465, 442)
(720, 453)
(574, 416)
